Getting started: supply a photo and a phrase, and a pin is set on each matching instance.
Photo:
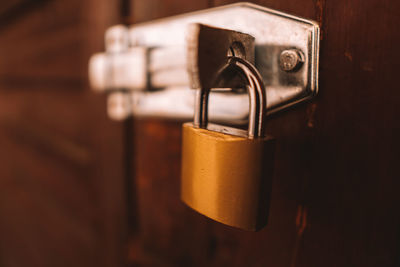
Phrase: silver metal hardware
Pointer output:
(291, 60)
(119, 105)
(207, 52)
(149, 62)
(257, 96)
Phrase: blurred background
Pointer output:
(78, 189)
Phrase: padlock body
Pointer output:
(227, 178)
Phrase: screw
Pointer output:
(291, 60)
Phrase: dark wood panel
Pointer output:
(61, 173)
(55, 43)
(334, 200)
(356, 128)
(10, 9)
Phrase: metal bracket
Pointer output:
(145, 66)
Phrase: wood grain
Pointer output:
(61, 171)
(334, 200)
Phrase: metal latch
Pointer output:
(145, 69)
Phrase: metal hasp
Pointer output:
(150, 70)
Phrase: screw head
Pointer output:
(291, 60)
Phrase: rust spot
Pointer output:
(298, 216)
(301, 220)
(311, 115)
(367, 66)
(301, 224)
(348, 56)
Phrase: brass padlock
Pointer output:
(227, 172)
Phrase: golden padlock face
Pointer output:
(227, 178)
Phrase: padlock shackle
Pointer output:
(257, 97)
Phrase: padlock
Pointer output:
(227, 172)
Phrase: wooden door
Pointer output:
(61, 159)
(335, 199)
(64, 164)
